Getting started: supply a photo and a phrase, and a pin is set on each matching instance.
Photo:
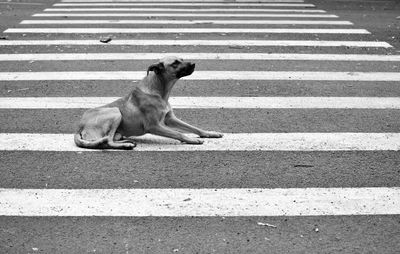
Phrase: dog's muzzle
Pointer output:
(186, 71)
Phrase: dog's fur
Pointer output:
(144, 110)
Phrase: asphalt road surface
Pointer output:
(312, 186)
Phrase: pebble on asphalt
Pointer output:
(105, 39)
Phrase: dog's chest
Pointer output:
(140, 114)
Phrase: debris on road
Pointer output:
(316, 230)
(105, 39)
(266, 224)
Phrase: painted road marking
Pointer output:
(187, 30)
(188, 4)
(198, 56)
(184, 10)
(155, 14)
(189, 22)
(190, 1)
(341, 141)
(206, 75)
(233, 43)
(211, 102)
(8, 3)
(200, 202)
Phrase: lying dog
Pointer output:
(144, 110)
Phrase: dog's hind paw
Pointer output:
(130, 145)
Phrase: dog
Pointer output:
(144, 110)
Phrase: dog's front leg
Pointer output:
(172, 121)
(170, 133)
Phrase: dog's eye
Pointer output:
(175, 64)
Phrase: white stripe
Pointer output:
(186, 30)
(197, 56)
(227, 4)
(189, 1)
(182, 10)
(191, 22)
(200, 202)
(206, 75)
(249, 43)
(211, 102)
(21, 3)
(155, 14)
(230, 142)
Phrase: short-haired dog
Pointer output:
(144, 110)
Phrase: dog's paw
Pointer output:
(129, 145)
(194, 141)
(211, 134)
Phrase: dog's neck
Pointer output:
(157, 84)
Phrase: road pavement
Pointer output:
(342, 224)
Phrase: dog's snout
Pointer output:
(191, 66)
(186, 69)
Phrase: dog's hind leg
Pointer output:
(113, 141)
(98, 130)
(124, 139)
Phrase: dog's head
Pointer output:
(172, 68)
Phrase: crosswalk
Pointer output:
(282, 58)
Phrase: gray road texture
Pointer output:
(320, 234)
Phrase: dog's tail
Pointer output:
(96, 144)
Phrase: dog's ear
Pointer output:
(156, 67)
